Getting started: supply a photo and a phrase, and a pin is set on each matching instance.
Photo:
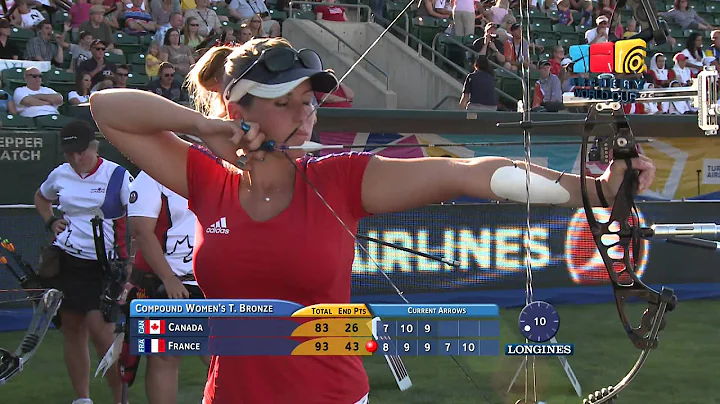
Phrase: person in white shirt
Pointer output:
(242, 10)
(24, 16)
(163, 230)
(35, 100)
(85, 187)
(464, 17)
(598, 34)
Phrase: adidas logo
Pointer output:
(219, 227)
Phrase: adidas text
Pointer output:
(219, 227)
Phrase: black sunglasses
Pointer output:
(278, 60)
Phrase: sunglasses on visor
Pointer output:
(278, 60)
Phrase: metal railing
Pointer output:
(475, 54)
(444, 99)
(344, 42)
(316, 3)
(423, 46)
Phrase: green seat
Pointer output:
(13, 78)
(563, 28)
(546, 43)
(58, 76)
(16, 122)
(137, 59)
(137, 80)
(128, 44)
(115, 59)
(21, 34)
(568, 42)
(278, 15)
(303, 15)
(221, 11)
(59, 19)
(234, 26)
(712, 7)
(541, 26)
(468, 40)
(52, 122)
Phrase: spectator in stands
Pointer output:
(99, 29)
(35, 100)
(227, 37)
(152, 60)
(257, 27)
(464, 17)
(605, 7)
(97, 67)
(498, 12)
(651, 108)
(137, 20)
(7, 106)
(244, 34)
(556, 57)
(118, 79)
(176, 7)
(161, 15)
(41, 48)
(442, 7)
(495, 50)
(479, 93)
(598, 34)
(81, 93)
(206, 17)
(176, 53)
(714, 50)
(548, 87)
(81, 52)
(8, 47)
(330, 13)
(78, 14)
(683, 74)
(79, 274)
(426, 8)
(24, 16)
(569, 76)
(517, 51)
(586, 16)
(565, 16)
(190, 35)
(548, 5)
(242, 10)
(686, 17)
(176, 22)
(658, 73)
(166, 85)
(694, 53)
(631, 29)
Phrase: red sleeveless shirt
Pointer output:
(302, 255)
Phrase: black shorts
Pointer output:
(80, 281)
(147, 286)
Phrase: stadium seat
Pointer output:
(22, 35)
(13, 78)
(58, 75)
(563, 28)
(221, 11)
(128, 44)
(235, 26)
(53, 122)
(16, 122)
(303, 15)
(277, 15)
(137, 61)
(114, 58)
(137, 80)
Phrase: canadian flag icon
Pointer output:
(155, 326)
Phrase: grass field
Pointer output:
(682, 370)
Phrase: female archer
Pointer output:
(282, 210)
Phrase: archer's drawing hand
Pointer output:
(613, 176)
(226, 138)
(247, 142)
(59, 226)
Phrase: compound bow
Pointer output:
(46, 302)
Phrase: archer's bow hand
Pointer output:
(615, 173)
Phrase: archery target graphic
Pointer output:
(630, 56)
(583, 260)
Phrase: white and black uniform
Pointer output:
(103, 192)
(174, 229)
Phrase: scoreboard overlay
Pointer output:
(180, 327)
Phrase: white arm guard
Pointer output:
(508, 182)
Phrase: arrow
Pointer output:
(314, 146)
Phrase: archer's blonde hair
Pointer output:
(208, 79)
